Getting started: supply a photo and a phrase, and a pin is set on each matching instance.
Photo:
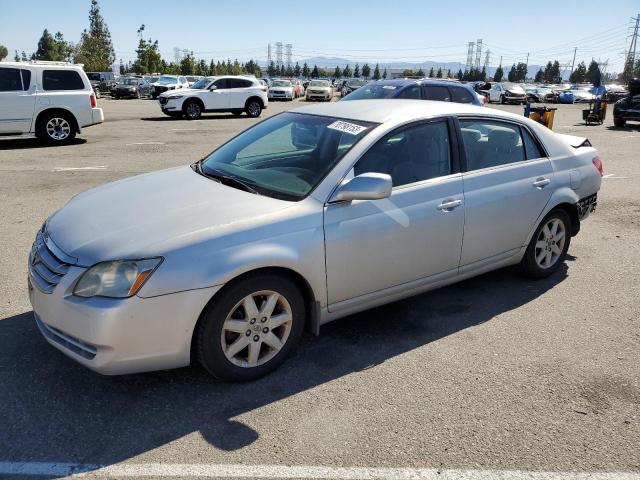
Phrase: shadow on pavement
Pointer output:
(206, 116)
(56, 410)
(24, 143)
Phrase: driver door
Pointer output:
(218, 98)
(377, 247)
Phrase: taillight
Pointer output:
(598, 164)
(92, 100)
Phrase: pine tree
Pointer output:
(315, 73)
(439, 73)
(346, 72)
(460, 75)
(53, 48)
(376, 72)
(305, 70)
(212, 68)
(297, 70)
(337, 73)
(591, 72)
(4, 53)
(366, 70)
(539, 78)
(497, 77)
(95, 49)
(420, 73)
(384, 75)
(188, 65)
(356, 71)
(579, 74)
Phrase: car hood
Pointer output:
(183, 91)
(150, 214)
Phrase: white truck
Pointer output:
(51, 100)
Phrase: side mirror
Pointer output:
(212, 88)
(367, 186)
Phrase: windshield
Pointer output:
(93, 76)
(287, 155)
(202, 83)
(281, 83)
(372, 91)
(129, 81)
(319, 83)
(167, 80)
(356, 83)
(153, 79)
(512, 86)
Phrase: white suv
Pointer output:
(234, 94)
(51, 100)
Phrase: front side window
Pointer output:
(287, 155)
(413, 154)
(53, 80)
(440, 94)
(491, 144)
(10, 80)
(221, 83)
(411, 93)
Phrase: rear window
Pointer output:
(26, 79)
(10, 80)
(62, 80)
(238, 83)
(461, 95)
(440, 94)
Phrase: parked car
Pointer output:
(351, 86)
(628, 108)
(216, 94)
(536, 94)
(306, 217)
(102, 81)
(615, 92)
(425, 89)
(167, 83)
(132, 87)
(507, 92)
(319, 90)
(51, 100)
(281, 90)
(191, 79)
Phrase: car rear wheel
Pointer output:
(253, 108)
(502, 100)
(56, 128)
(548, 246)
(192, 110)
(250, 328)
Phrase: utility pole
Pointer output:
(526, 67)
(631, 56)
(573, 62)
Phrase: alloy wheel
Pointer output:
(256, 329)
(58, 128)
(550, 243)
(193, 110)
(254, 109)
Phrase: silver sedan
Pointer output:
(306, 217)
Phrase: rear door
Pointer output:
(17, 100)
(507, 184)
(436, 92)
(239, 91)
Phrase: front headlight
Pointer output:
(116, 279)
(174, 97)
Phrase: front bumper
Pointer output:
(118, 336)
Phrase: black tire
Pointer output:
(619, 122)
(502, 100)
(208, 334)
(529, 266)
(253, 108)
(60, 121)
(192, 110)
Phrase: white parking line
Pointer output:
(145, 143)
(612, 176)
(69, 169)
(156, 470)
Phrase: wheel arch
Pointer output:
(254, 97)
(311, 304)
(191, 100)
(63, 110)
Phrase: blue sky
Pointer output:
(372, 30)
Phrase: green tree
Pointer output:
(346, 72)
(366, 70)
(212, 68)
(305, 70)
(497, 76)
(432, 73)
(579, 74)
(356, 71)
(289, 71)
(53, 48)
(376, 72)
(337, 73)
(512, 73)
(384, 74)
(315, 73)
(148, 58)
(297, 71)
(95, 49)
(439, 73)
(420, 73)
(271, 69)
(460, 74)
(539, 78)
(4, 53)
(188, 64)
(591, 72)
(408, 72)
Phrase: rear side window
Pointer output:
(238, 83)
(491, 144)
(531, 146)
(26, 79)
(412, 92)
(10, 80)
(440, 94)
(62, 80)
(461, 95)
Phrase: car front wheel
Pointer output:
(192, 110)
(250, 328)
(548, 246)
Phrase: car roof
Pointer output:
(438, 82)
(386, 110)
(44, 64)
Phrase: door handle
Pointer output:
(541, 182)
(448, 205)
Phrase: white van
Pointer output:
(51, 100)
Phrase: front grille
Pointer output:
(45, 267)
(77, 346)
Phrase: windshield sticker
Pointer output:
(389, 87)
(346, 127)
